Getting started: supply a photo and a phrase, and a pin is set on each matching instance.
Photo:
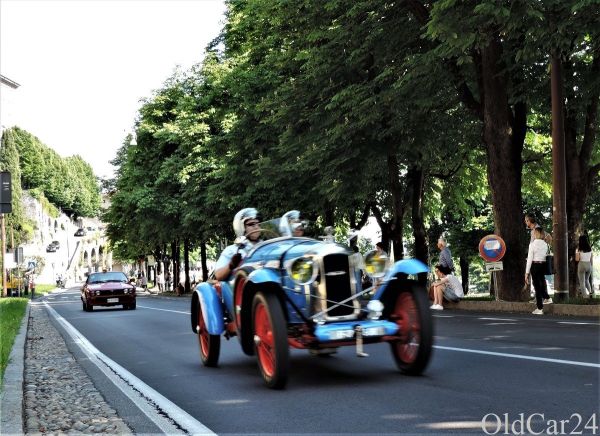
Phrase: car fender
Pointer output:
(406, 266)
(212, 308)
(261, 276)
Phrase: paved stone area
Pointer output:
(58, 396)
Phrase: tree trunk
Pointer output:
(329, 216)
(203, 260)
(503, 134)
(399, 202)
(175, 263)
(464, 273)
(186, 263)
(417, 178)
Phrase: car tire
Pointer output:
(88, 307)
(412, 350)
(210, 345)
(269, 330)
(132, 306)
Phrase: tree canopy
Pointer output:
(431, 116)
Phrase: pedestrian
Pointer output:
(536, 266)
(144, 282)
(447, 286)
(583, 255)
(32, 286)
(532, 224)
(160, 281)
(445, 254)
(380, 249)
(168, 280)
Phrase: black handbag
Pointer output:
(549, 265)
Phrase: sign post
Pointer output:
(5, 207)
(492, 249)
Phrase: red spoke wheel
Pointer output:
(210, 345)
(270, 339)
(412, 350)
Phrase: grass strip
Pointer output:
(12, 311)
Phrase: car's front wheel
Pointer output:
(210, 345)
(270, 339)
(412, 350)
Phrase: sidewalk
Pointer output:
(590, 310)
(49, 375)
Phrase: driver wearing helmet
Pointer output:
(246, 226)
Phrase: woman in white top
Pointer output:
(536, 265)
(583, 255)
(446, 287)
(160, 281)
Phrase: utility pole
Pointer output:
(559, 184)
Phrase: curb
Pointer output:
(11, 421)
(588, 310)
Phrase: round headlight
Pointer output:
(376, 264)
(303, 270)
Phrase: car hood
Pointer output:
(109, 286)
(282, 249)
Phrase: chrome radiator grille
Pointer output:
(336, 278)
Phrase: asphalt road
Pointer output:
(524, 370)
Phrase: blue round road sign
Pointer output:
(492, 248)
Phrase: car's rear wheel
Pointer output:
(270, 339)
(210, 345)
(412, 350)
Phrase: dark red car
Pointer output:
(107, 289)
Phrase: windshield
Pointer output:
(280, 227)
(274, 228)
(114, 276)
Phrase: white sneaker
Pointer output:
(538, 312)
(548, 301)
(437, 307)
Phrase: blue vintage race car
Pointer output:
(306, 293)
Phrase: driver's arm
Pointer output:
(222, 269)
(222, 273)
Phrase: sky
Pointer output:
(84, 65)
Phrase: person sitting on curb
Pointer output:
(446, 286)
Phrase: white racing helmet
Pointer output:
(293, 219)
(239, 220)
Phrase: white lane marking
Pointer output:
(444, 316)
(519, 356)
(165, 310)
(500, 323)
(498, 319)
(578, 323)
(167, 416)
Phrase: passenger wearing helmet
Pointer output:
(246, 227)
(296, 224)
